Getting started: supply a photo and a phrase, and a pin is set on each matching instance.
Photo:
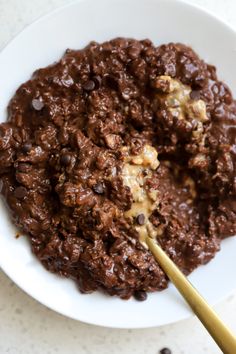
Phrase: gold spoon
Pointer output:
(217, 329)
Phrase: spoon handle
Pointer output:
(217, 329)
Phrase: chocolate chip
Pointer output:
(140, 219)
(111, 82)
(20, 192)
(98, 188)
(195, 95)
(165, 351)
(50, 79)
(26, 147)
(37, 104)
(140, 295)
(89, 85)
(65, 159)
(97, 81)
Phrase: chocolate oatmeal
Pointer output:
(115, 143)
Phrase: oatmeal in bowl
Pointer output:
(114, 143)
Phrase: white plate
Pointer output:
(44, 42)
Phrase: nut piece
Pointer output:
(165, 84)
(197, 110)
(199, 161)
(148, 158)
(113, 141)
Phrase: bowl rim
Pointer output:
(74, 2)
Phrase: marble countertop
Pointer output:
(28, 327)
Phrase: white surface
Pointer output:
(180, 335)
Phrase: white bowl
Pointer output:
(45, 41)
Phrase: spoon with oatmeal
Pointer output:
(136, 173)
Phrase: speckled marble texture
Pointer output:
(26, 327)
